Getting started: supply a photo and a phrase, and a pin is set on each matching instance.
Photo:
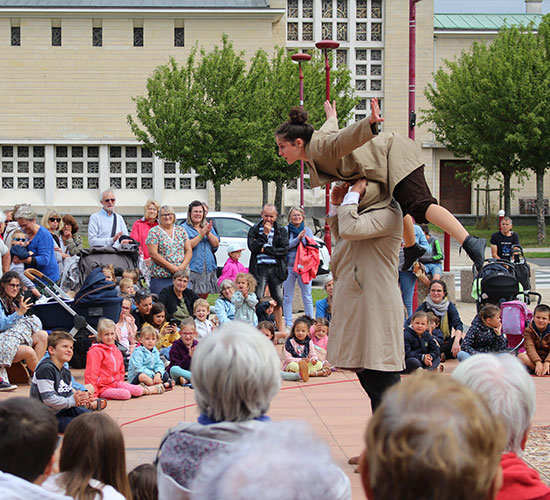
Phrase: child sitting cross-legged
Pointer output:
(146, 367)
(182, 351)
(485, 334)
(300, 355)
(537, 342)
(52, 382)
(421, 350)
(105, 365)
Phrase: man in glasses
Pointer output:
(106, 227)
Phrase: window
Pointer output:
(231, 228)
(22, 167)
(56, 36)
(130, 167)
(15, 36)
(76, 167)
(97, 37)
(138, 37)
(179, 37)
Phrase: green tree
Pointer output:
(194, 114)
(272, 89)
(492, 105)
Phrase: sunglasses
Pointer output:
(55, 219)
(20, 239)
(14, 285)
(109, 200)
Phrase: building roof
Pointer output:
(482, 22)
(135, 4)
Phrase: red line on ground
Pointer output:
(195, 404)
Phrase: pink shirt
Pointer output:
(230, 270)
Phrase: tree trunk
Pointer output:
(541, 226)
(217, 198)
(265, 192)
(507, 193)
(279, 195)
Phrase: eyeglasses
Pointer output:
(14, 285)
(20, 239)
(55, 219)
(166, 215)
(109, 200)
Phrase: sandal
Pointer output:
(99, 404)
(153, 389)
(168, 386)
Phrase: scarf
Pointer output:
(8, 304)
(438, 309)
(290, 348)
(295, 231)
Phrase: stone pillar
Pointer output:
(466, 284)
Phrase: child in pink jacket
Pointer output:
(300, 355)
(105, 366)
(232, 266)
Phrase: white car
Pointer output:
(233, 228)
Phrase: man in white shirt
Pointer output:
(106, 227)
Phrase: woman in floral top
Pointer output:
(169, 248)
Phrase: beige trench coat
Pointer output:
(354, 152)
(366, 330)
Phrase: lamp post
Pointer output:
(325, 45)
(299, 58)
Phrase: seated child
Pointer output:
(537, 342)
(182, 352)
(168, 331)
(265, 308)
(319, 333)
(126, 287)
(105, 366)
(145, 365)
(143, 482)
(20, 239)
(109, 272)
(232, 266)
(485, 334)
(167, 338)
(421, 350)
(433, 327)
(52, 382)
(201, 310)
(126, 327)
(300, 355)
(268, 329)
(244, 299)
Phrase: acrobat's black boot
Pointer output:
(411, 254)
(475, 248)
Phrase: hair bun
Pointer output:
(298, 115)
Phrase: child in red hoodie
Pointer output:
(105, 366)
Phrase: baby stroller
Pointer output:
(126, 257)
(523, 270)
(495, 283)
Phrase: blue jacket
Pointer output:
(321, 309)
(245, 309)
(145, 361)
(417, 347)
(202, 252)
(44, 255)
(224, 309)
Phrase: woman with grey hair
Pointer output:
(235, 377)
(224, 308)
(41, 254)
(178, 298)
(510, 392)
(269, 464)
(297, 232)
(169, 248)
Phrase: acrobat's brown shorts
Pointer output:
(414, 195)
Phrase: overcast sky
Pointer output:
(486, 6)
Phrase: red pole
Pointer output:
(301, 57)
(324, 45)
(412, 65)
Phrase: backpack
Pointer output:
(515, 317)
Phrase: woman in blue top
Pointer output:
(296, 232)
(204, 241)
(41, 244)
